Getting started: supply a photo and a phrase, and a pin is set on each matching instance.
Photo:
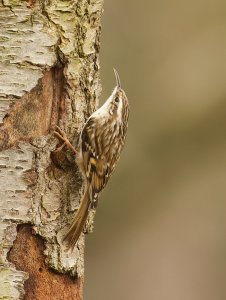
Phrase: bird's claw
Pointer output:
(63, 137)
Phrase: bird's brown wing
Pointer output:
(95, 163)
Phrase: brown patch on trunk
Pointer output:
(30, 3)
(27, 255)
(36, 113)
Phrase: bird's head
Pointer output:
(117, 104)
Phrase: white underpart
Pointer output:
(104, 110)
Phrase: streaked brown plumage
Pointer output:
(101, 141)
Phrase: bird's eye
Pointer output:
(117, 99)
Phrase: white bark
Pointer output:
(33, 40)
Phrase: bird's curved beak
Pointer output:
(118, 82)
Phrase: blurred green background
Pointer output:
(160, 229)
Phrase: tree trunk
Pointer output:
(48, 75)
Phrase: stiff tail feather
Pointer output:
(78, 222)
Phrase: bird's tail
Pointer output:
(78, 222)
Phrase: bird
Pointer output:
(100, 144)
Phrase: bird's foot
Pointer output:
(63, 137)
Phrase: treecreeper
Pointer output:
(100, 144)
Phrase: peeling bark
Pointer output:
(27, 255)
(49, 75)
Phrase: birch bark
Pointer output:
(49, 62)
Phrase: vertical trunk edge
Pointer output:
(49, 75)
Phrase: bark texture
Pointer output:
(48, 75)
